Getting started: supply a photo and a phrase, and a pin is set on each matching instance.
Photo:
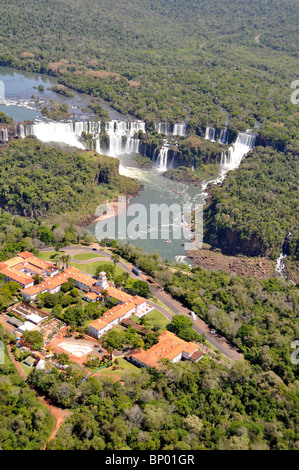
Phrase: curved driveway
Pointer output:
(174, 305)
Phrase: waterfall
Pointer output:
(163, 128)
(224, 136)
(244, 143)
(121, 137)
(154, 158)
(4, 135)
(172, 161)
(231, 159)
(168, 129)
(67, 133)
(22, 131)
(280, 266)
(179, 129)
(161, 161)
(210, 134)
(120, 134)
(225, 157)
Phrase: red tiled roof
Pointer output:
(41, 264)
(52, 283)
(16, 276)
(98, 324)
(32, 268)
(91, 296)
(196, 355)
(120, 295)
(79, 276)
(168, 347)
(13, 261)
(49, 284)
(25, 254)
(119, 311)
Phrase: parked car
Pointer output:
(136, 271)
(213, 332)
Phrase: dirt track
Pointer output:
(58, 413)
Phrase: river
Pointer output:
(19, 94)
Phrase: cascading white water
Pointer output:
(22, 131)
(68, 133)
(121, 137)
(223, 139)
(167, 129)
(171, 165)
(163, 128)
(120, 134)
(161, 161)
(4, 135)
(244, 143)
(280, 266)
(179, 129)
(154, 157)
(210, 134)
(232, 159)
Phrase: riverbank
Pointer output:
(260, 267)
(69, 190)
(196, 177)
(114, 210)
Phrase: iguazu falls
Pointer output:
(149, 238)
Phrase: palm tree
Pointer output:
(56, 257)
(65, 259)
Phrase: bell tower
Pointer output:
(102, 282)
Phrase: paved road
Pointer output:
(175, 306)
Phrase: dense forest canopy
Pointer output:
(201, 60)
(186, 407)
(257, 205)
(41, 181)
(25, 423)
(259, 316)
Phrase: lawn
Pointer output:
(156, 318)
(125, 367)
(91, 268)
(47, 255)
(6, 359)
(87, 256)
(26, 369)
